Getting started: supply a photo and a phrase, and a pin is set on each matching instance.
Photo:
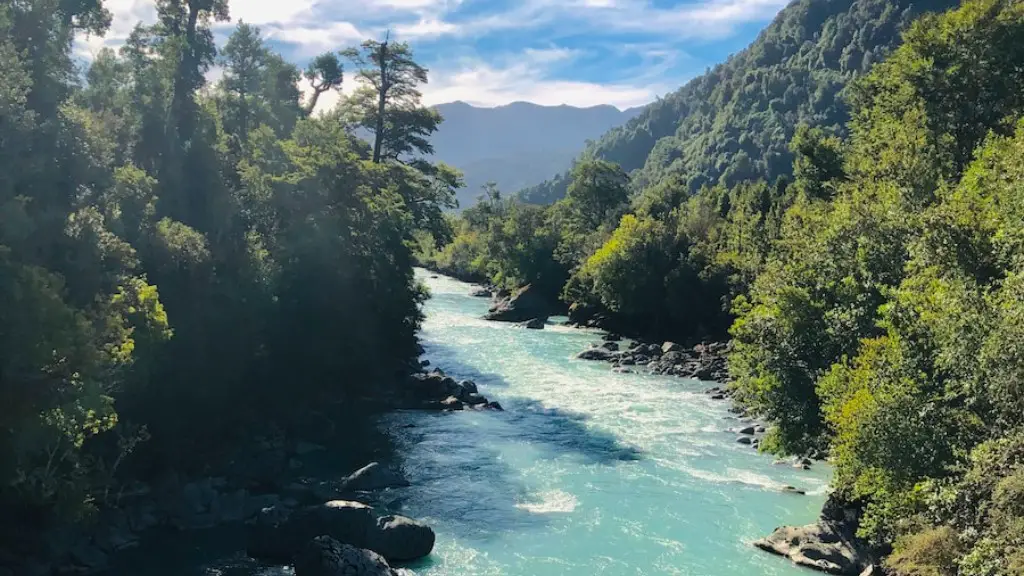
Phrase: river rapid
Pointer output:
(587, 471)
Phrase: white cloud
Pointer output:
(530, 77)
(311, 39)
(425, 28)
(270, 11)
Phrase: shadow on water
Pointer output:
(560, 430)
(566, 432)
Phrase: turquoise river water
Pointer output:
(587, 471)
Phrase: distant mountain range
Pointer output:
(518, 145)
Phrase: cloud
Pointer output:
(492, 52)
(311, 39)
(425, 28)
(270, 11)
(532, 76)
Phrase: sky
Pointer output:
(492, 52)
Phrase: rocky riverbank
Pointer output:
(281, 493)
(702, 362)
(829, 545)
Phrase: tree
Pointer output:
(324, 73)
(389, 101)
(598, 187)
(244, 59)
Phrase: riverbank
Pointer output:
(340, 453)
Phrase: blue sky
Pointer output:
(492, 52)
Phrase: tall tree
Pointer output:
(324, 73)
(389, 101)
(244, 58)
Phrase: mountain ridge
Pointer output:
(518, 144)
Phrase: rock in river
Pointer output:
(829, 545)
(535, 324)
(525, 304)
(398, 538)
(596, 354)
(815, 546)
(277, 535)
(325, 556)
(373, 476)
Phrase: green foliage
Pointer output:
(172, 256)
(735, 122)
(878, 295)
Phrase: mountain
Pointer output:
(734, 122)
(517, 145)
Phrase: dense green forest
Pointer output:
(734, 123)
(874, 298)
(182, 264)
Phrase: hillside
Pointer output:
(734, 122)
(517, 145)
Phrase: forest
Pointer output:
(185, 263)
(845, 201)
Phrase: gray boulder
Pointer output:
(481, 293)
(747, 440)
(747, 430)
(525, 304)
(674, 357)
(400, 539)
(278, 535)
(671, 347)
(325, 556)
(610, 346)
(374, 476)
(819, 546)
(595, 354)
(474, 399)
(534, 324)
(469, 386)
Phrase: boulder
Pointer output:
(817, 546)
(475, 399)
(451, 403)
(481, 293)
(671, 347)
(534, 324)
(611, 337)
(610, 346)
(674, 357)
(495, 406)
(278, 535)
(469, 386)
(747, 430)
(747, 440)
(325, 556)
(525, 304)
(373, 476)
(595, 354)
(401, 539)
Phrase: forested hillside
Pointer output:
(874, 299)
(734, 123)
(184, 265)
(501, 144)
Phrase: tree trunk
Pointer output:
(378, 140)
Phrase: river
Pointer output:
(587, 471)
